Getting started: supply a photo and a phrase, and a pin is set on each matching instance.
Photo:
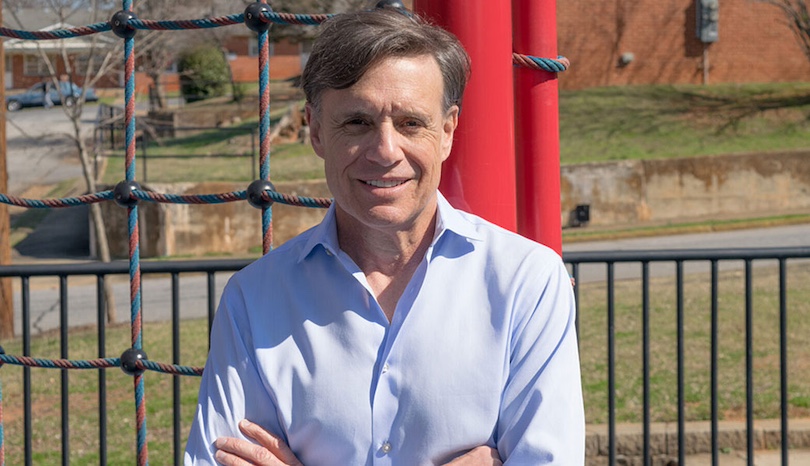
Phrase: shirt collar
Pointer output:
(449, 220)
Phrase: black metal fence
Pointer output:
(605, 263)
(643, 261)
(102, 272)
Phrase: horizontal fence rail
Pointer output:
(645, 271)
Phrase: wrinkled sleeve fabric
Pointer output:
(230, 381)
(542, 417)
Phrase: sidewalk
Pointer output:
(761, 458)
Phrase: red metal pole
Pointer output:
(479, 176)
(537, 128)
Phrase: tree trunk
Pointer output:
(157, 98)
(6, 299)
(102, 246)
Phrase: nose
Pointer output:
(385, 149)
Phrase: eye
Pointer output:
(356, 122)
(412, 123)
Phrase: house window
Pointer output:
(33, 65)
(80, 63)
(253, 47)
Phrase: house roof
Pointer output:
(37, 19)
(75, 44)
(44, 19)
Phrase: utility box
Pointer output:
(708, 16)
(580, 216)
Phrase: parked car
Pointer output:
(34, 96)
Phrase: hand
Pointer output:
(270, 451)
(479, 456)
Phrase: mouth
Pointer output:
(384, 183)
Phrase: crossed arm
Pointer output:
(272, 451)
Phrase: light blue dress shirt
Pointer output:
(482, 350)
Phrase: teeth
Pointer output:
(384, 183)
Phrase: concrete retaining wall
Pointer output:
(632, 192)
(621, 193)
(197, 230)
(731, 435)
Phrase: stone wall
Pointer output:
(631, 192)
(197, 230)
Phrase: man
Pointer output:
(399, 330)
(47, 102)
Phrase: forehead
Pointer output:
(394, 82)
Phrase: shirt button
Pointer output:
(329, 253)
(385, 368)
(386, 447)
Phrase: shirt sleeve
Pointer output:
(542, 418)
(230, 378)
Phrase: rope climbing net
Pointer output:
(128, 193)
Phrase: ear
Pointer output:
(448, 129)
(314, 123)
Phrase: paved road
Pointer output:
(155, 298)
(193, 289)
(784, 236)
(39, 150)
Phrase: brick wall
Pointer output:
(246, 69)
(754, 45)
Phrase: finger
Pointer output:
(483, 456)
(234, 451)
(269, 441)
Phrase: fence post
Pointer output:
(144, 138)
(253, 153)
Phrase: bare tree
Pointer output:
(98, 63)
(797, 16)
(158, 50)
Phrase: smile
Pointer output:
(384, 183)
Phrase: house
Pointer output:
(609, 44)
(25, 65)
(287, 58)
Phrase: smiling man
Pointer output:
(399, 331)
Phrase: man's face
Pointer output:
(383, 141)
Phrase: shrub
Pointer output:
(204, 73)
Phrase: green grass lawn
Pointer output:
(652, 122)
(596, 125)
(697, 318)
(83, 411)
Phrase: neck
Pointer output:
(387, 258)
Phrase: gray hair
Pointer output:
(350, 44)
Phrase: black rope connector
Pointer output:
(253, 16)
(129, 361)
(120, 24)
(390, 4)
(122, 193)
(255, 194)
